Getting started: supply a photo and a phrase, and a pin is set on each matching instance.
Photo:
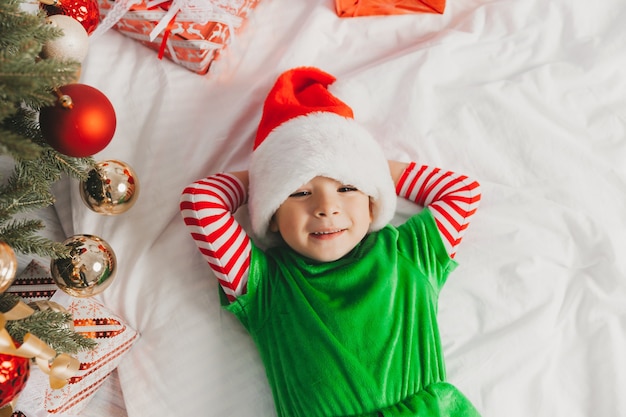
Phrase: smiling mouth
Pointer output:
(327, 233)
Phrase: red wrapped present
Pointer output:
(354, 8)
(191, 33)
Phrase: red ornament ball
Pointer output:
(87, 12)
(14, 373)
(81, 123)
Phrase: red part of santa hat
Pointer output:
(305, 131)
(298, 92)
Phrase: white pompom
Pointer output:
(356, 95)
(72, 45)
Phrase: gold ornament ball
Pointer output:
(8, 266)
(111, 188)
(89, 270)
(72, 45)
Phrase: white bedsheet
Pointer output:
(529, 97)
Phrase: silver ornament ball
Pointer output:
(111, 188)
(89, 270)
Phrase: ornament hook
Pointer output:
(64, 100)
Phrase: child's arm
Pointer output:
(451, 198)
(207, 207)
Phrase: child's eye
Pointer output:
(347, 188)
(299, 194)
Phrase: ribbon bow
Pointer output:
(59, 368)
(202, 11)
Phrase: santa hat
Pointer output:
(305, 131)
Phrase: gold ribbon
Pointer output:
(59, 368)
(7, 410)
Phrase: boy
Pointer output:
(341, 305)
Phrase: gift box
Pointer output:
(352, 8)
(190, 33)
(91, 319)
(34, 284)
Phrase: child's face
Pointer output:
(324, 219)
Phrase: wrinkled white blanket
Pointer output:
(528, 96)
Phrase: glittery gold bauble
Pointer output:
(8, 266)
(72, 45)
(43, 305)
(89, 270)
(111, 188)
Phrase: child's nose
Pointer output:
(327, 205)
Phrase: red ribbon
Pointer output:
(78, 323)
(166, 35)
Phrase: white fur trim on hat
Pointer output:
(317, 144)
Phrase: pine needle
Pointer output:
(53, 328)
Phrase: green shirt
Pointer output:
(355, 335)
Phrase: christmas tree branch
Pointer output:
(54, 328)
(21, 236)
(14, 144)
(8, 301)
(75, 167)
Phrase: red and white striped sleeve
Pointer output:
(451, 198)
(207, 207)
